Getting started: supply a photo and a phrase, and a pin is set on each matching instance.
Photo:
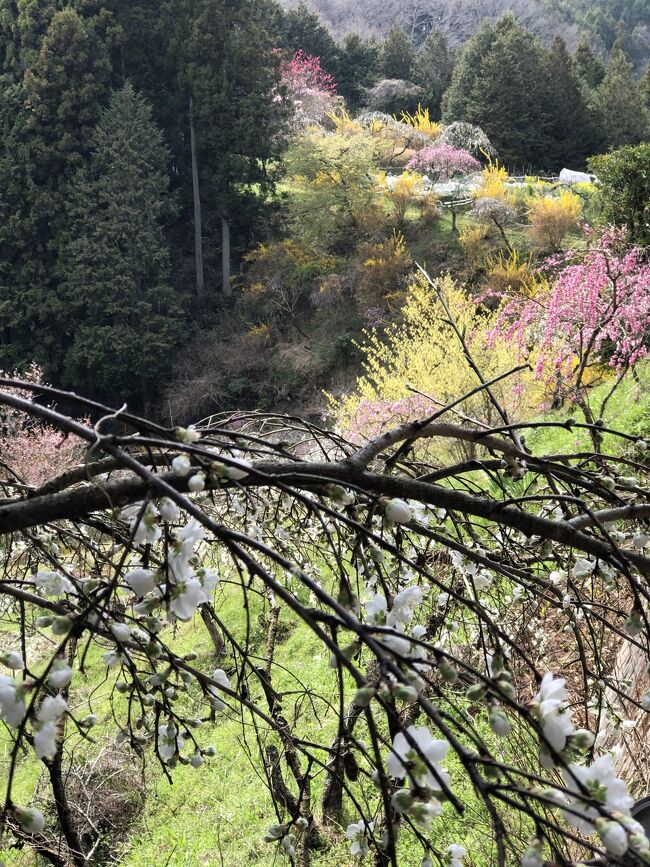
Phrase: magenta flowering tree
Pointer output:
(443, 162)
(311, 90)
(593, 317)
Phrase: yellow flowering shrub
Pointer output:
(476, 244)
(384, 267)
(510, 275)
(421, 122)
(422, 352)
(494, 182)
(405, 192)
(551, 218)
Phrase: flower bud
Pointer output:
(499, 722)
(363, 696)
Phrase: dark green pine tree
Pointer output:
(465, 85)
(432, 70)
(396, 55)
(589, 68)
(573, 133)
(619, 105)
(123, 318)
(501, 86)
(240, 122)
(300, 28)
(55, 108)
(358, 68)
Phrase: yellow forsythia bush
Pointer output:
(551, 218)
(422, 352)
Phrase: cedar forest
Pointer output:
(324, 425)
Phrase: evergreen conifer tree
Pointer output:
(465, 83)
(590, 69)
(302, 29)
(233, 74)
(396, 55)
(432, 70)
(573, 133)
(500, 84)
(358, 68)
(619, 104)
(123, 319)
(55, 108)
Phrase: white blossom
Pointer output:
(219, 676)
(30, 820)
(554, 719)
(12, 701)
(358, 832)
(196, 482)
(168, 509)
(398, 512)
(614, 837)
(53, 583)
(181, 465)
(376, 610)
(169, 741)
(433, 751)
(120, 631)
(603, 785)
(60, 674)
(141, 581)
(237, 470)
(13, 660)
(454, 855)
(185, 598)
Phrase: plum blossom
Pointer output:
(168, 509)
(376, 610)
(603, 786)
(12, 701)
(53, 583)
(443, 162)
(170, 741)
(30, 820)
(554, 719)
(398, 512)
(13, 660)
(404, 606)
(219, 676)
(404, 760)
(60, 674)
(185, 598)
(141, 581)
(358, 833)
(454, 855)
(47, 723)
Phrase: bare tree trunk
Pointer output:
(210, 619)
(198, 223)
(225, 257)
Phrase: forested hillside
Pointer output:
(599, 21)
(324, 433)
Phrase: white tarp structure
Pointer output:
(567, 176)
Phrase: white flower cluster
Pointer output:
(549, 706)
(415, 757)
(358, 833)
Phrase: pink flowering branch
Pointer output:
(444, 162)
(595, 313)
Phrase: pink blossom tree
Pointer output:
(443, 162)
(311, 90)
(592, 317)
(32, 452)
